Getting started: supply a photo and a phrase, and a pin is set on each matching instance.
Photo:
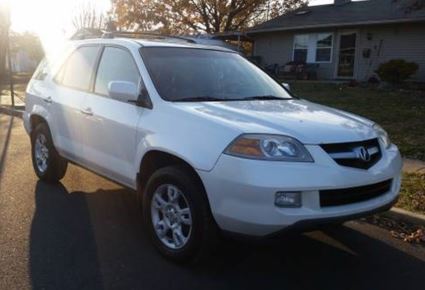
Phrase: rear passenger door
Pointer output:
(110, 131)
(73, 83)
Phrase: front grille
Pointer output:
(363, 154)
(343, 196)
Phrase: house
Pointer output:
(22, 62)
(229, 40)
(347, 39)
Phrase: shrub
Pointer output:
(396, 70)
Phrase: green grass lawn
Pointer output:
(400, 112)
(412, 194)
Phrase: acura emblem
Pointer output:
(362, 154)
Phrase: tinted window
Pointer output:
(116, 65)
(184, 73)
(78, 69)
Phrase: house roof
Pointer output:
(348, 14)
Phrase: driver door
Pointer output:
(110, 126)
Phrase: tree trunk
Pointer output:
(2, 55)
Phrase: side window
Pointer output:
(116, 65)
(42, 70)
(78, 69)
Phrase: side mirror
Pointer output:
(286, 86)
(123, 91)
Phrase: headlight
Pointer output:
(269, 147)
(382, 135)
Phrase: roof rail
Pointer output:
(98, 33)
(148, 35)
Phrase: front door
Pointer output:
(110, 131)
(347, 55)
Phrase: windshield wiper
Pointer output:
(214, 99)
(198, 99)
(265, 98)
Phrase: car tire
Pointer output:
(168, 220)
(48, 165)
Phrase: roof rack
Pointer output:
(97, 33)
(146, 35)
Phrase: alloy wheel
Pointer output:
(171, 216)
(41, 153)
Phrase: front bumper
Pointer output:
(242, 191)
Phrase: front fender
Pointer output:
(201, 155)
(197, 141)
(194, 159)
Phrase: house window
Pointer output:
(313, 47)
(301, 47)
(324, 47)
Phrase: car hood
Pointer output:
(308, 122)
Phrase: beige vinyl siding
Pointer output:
(274, 47)
(405, 41)
(277, 48)
(402, 41)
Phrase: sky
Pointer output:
(26, 14)
(52, 19)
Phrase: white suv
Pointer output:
(210, 142)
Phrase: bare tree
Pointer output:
(88, 16)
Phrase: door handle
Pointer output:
(87, 111)
(48, 100)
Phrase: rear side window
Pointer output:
(42, 70)
(116, 65)
(78, 69)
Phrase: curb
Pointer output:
(405, 216)
(12, 112)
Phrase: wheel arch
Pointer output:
(37, 115)
(155, 159)
(36, 119)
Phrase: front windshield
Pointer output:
(187, 74)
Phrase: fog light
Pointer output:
(288, 199)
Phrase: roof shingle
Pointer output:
(352, 13)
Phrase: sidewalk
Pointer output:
(413, 166)
(5, 99)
